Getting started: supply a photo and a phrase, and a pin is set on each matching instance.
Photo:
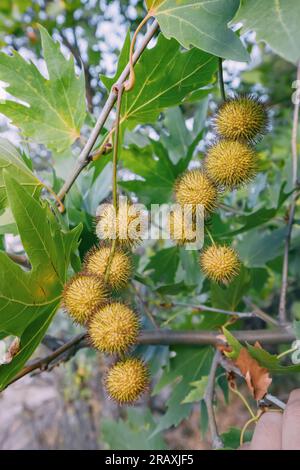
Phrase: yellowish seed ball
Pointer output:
(181, 231)
(242, 118)
(127, 380)
(82, 295)
(124, 225)
(220, 263)
(231, 163)
(114, 328)
(195, 188)
(120, 268)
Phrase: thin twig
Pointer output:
(203, 308)
(114, 176)
(282, 302)
(71, 346)
(129, 84)
(221, 79)
(145, 307)
(255, 313)
(217, 442)
(229, 366)
(116, 147)
(259, 313)
(84, 157)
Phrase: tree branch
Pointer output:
(63, 353)
(150, 337)
(217, 442)
(255, 313)
(84, 157)
(282, 302)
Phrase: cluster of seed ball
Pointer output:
(229, 163)
(112, 326)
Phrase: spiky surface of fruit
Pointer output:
(114, 328)
(195, 188)
(242, 118)
(83, 294)
(120, 268)
(127, 380)
(231, 163)
(124, 225)
(181, 231)
(220, 263)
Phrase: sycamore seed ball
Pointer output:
(124, 225)
(82, 294)
(220, 263)
(195, 188)
(114, 328)
(127, 380)
(242, 118)
(181, 230)
(120, 268)
(231, 163)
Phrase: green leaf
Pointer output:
(7, 223)
(177, 138)
(157, 172)
(257, 247)
(230, 296)
(164, 265)
(28, 300)
(200, 23)
(189, 365)
(271, 362)
(174, 289)
(132, 433)
(198, 390)
(234, 343)
(261, 216)
(281, 30)
(55, 108)
(11, 161)
(231, 438)
(164, 77)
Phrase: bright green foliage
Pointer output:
(201, 24)
(280, 31)
(134, 432)
(10, 160)
(29, 300)
(198, 390)
(55, 108)
(159, 174)
(164, 77)
(229, 297)
(189, 365)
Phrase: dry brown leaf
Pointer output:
(257, 377)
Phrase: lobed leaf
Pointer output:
(200, 23)
(49, 111)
